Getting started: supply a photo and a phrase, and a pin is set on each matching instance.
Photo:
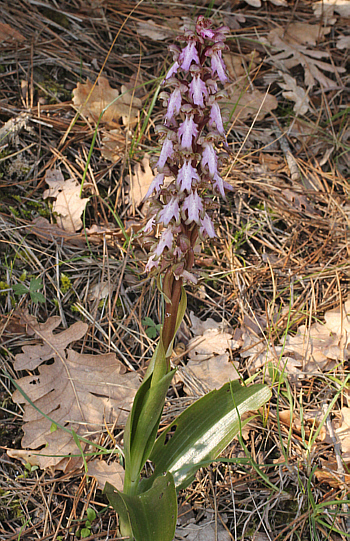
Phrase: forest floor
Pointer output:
(275, 280)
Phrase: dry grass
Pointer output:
(281, 255)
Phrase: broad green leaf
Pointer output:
(35, 284)
(150, 516)
(142, 426)
(36, 297)
(20, 289)
(116, 500)
(203, 431)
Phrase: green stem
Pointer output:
(130, 486)
(172, 286)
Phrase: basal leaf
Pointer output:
(203, 430)
(150, 516)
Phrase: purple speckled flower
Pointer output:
(155, 185)
(171, 210)
(206, 33)
(174, 105)
(165, 241)
(188, 55)
(207, 228)
(215, 118)
(187, 174)
(172, 70)
(151, 263)
(190, 133)
(198, 90)
(150, 224)
(194, 206)
(218, 66)
(187, 130)
(209, 158)
(166, 152)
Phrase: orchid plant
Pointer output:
(183, 197)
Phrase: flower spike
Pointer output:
(191, 130)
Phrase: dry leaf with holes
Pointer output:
(206, 530)
(209, 358)
(312, 349)
(326, 9)
(113, 145)
(299, 202)
(311, 421)
(91, 101)
(155, 31)
(244, 102)
(67, 205)
(141, 181)
(241, 65)
(329, 473)
(343, 42)
(78, 391)
(294, 52)
(102, 472)
(295, 93)
(47, 232)
(343, 434)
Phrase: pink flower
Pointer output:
(171, 210)
(220, 33)
(186, 131)
(172, 70)
(207, 227)
(209, 158)
(165, 153)
(149, 225)
(221, 185)
(191, 131)
(203, 27)
(151, 263)
(198, 89)
(215, 118)
(218, 66)
(189, 54)
(174, 105)
(155, 185)
(194, 206)
(186, 175)
(206, 33)
(165, 241)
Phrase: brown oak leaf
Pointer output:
(93, 100)
(76, 392)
